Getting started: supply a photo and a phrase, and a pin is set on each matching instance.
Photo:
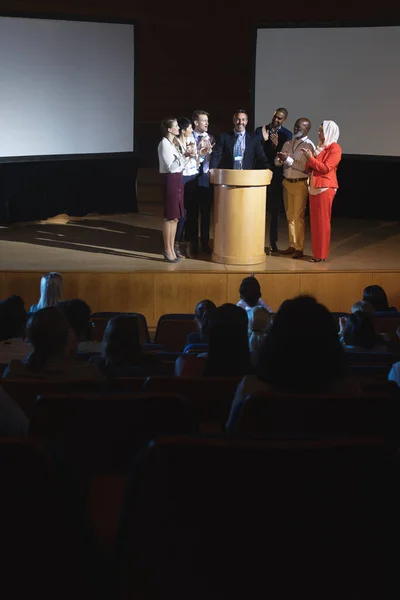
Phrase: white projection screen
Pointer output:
(350, 75)
(66, 87)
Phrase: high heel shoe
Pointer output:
(317, 260)
(170, 260)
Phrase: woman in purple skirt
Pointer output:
(172, 162)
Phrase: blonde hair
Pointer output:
(50, 290)
(259, 322)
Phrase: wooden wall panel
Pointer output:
(125, 292)
(26, 285)
(180, 292)
(275, 287)
(154, 294)
(337, 291)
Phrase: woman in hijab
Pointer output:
(323, 164)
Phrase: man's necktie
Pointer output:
(237, 151)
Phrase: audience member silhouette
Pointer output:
(202, 315)
(376, 296)
(250, 294)
(49, 334)
(50, 291)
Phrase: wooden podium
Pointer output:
(239, 215)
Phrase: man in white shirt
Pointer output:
(201, 192)
(295, 184)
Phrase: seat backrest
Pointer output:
(209, 397)
(100, 433)
(172, 331)
(99, 322)
(267, 508)
(195, 348)
(26, 391)
(388, 325)
(369, 371)
(40, 526)
(370, 358)
(318, 416)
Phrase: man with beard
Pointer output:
(272, 138)
(198, 198)
(295, 183)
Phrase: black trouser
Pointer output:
(274, 204)
(198, 199)
(182, 222)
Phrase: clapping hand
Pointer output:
(265, 133)
(205, 147)
(342, 324)
(191, 150)
(307, 153)
(282, 156)
(274, 138)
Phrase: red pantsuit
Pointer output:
(320, 221)
(323, 169)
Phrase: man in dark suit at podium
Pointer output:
(239, 149)
(272, 138)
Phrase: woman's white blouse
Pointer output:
(169, 157)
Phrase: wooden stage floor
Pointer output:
(114, 262)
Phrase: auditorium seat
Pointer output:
(227, 519)
(319, 416)
(95, 438)
(195, 348)
(46, 548)
(173, 329)
(388, 325)
(26, 391)
(209, 397)
(99, 322)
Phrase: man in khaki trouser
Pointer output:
(295, 184)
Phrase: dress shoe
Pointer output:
(297, 254)
(289, 250)
(205, 248)
(179, 253)
(272, 250)
(170, 260)
(317, 259)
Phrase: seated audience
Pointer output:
(259, 323)
(202, 314)
(50, 291)
(122, 351)
(49, 334)
(301, 354)
(78, 316)
(13, 344)
(250, 294)
(376, 296)
(394, 374)
(228, 347)
(13, 421)
(357, 333)
(363, 306)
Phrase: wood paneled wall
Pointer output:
(154, 294)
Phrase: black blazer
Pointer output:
(270, 150)
(253, 158)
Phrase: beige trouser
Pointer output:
(295, 196)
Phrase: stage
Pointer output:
(114, 262)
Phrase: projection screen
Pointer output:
(67, 87)
(347, 74)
